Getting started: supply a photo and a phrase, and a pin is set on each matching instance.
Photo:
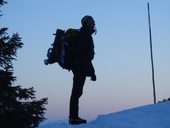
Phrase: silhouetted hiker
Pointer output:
(82, 66)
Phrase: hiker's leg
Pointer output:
(77, 91)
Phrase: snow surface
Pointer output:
(150, 116)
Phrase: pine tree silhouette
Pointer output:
(19, 107)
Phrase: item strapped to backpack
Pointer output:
(62, 49)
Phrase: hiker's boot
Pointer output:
(78, 120)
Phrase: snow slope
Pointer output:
(150, 116)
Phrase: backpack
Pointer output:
(62, 49)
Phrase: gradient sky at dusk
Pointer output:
(122, 59)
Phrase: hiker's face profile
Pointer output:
(91, 23)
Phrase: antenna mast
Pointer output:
(150, 36)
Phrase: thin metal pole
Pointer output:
(150, 36)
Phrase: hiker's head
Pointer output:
(89, 23)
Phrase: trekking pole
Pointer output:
(150, 36)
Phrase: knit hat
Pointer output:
(88, 21)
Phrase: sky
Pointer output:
(122, 59)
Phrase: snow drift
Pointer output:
(150, 116)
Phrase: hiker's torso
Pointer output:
(84, 52)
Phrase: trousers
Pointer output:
(77, 91)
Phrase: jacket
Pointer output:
(84, 53)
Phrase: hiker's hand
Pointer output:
(93, 77)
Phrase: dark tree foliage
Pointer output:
(19, 107)
(164, 100)
(2, 2)
(9, 46)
